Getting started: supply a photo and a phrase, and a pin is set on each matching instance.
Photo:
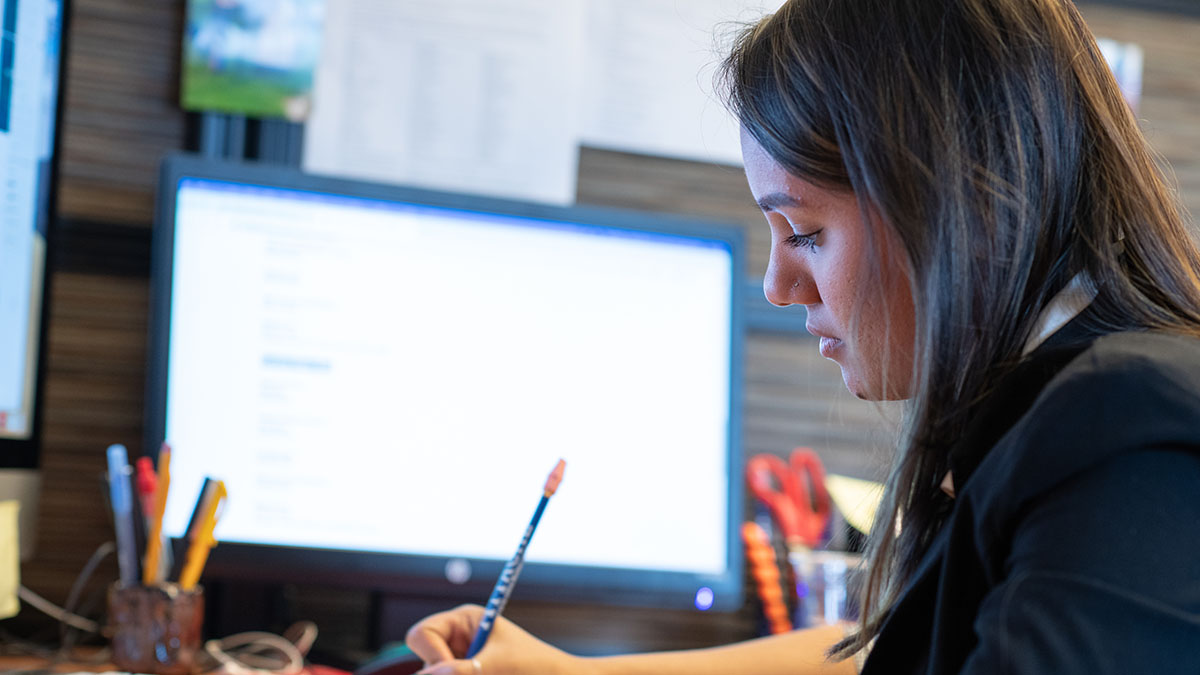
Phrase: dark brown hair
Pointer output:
(992, 141)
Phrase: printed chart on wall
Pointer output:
(650, 71)
(466, 95)
(496, 96)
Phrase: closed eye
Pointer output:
(798, 240)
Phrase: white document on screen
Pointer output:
(474, 96)
(650, 67)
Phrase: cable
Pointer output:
(65, 637)
(251, 653)
(102, 551)
(56, 612)
(66, 616)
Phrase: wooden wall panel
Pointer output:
(1170, 108)
(121, 114)
(93, 397)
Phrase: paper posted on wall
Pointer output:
(473, 96)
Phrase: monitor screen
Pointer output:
(384, 377)
(29, 68)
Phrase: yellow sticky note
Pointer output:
(856, 499)
(10, 559)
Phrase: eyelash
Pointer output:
(798, 240)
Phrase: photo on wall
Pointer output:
(251, 57)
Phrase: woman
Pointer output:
(963, 202)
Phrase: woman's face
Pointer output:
(820, 259)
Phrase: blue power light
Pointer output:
(704, 598)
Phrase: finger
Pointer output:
(436, 638)
(429, 643)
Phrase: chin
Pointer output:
(856, 386)
(872, 391)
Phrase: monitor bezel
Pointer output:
(425, 575)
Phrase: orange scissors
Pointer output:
(795, 493)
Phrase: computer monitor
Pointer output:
(384, 377)
(29, 82)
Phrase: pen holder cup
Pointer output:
(156, 629)
(826, 587)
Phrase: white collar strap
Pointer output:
(1066, 305)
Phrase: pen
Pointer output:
(121, 496)
(147, 486)
(206, 491)
(203, 540)
(151, 567)
(508, 576)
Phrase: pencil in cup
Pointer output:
(512, 569)
(157, 561)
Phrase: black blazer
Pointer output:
(1073, 544)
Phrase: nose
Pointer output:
(787, 282)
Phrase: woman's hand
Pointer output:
(442, 639)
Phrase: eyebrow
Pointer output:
(776, 200)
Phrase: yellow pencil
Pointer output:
(150, 571)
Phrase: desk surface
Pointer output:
(85, 663)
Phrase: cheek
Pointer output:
(896, 349)
(881, 358)
(842, 294)
(903, 349)
(876, 369)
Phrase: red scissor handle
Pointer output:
(811, 495)
(800, 504)
(769, 478)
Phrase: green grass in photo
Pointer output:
(235, 91)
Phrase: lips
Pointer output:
(829, 346)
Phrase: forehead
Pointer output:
(759, 166)
(770, 182)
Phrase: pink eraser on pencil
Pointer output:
(555, 478)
